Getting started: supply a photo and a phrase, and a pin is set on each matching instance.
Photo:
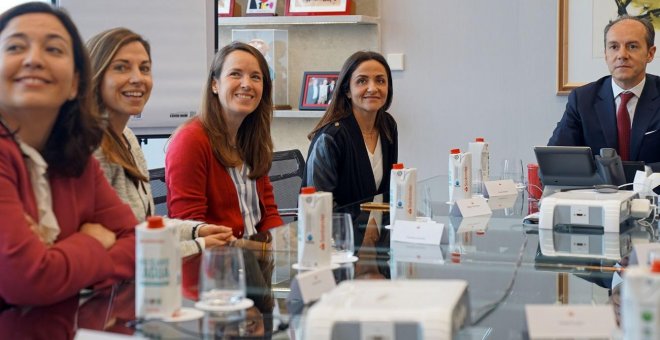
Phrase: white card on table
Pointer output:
(502, 202)
(315, 283)
(570, 321)
(503, 187)
(468, 207)
(417, 232)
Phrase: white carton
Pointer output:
(640, 303)
(403, 187)
(480, 163)
(314, 228)
(157, 269)
(460, 175)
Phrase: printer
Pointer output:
(585, 223)
(389, 310)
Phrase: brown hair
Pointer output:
(254, 143)
(102, 48)
(341, 106)
(77, 131)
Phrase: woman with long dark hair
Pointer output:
(355, 143)
(63, 227)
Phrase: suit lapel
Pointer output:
(645, 111)
(605, 111)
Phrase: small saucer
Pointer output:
(185, 314)
(296, 266)
(345, 259)
(243, 304)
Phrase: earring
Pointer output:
(215, 91)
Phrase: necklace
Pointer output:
(370, 133)
(370, 137)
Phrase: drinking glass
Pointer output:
(343, 247)
(428, 206)
(513, 169)
(222, 277)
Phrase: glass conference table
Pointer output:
(498, 256)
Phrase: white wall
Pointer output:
(181, 35)
(472, 69)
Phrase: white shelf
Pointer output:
(298, 20)
(297, 114)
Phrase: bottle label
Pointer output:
(155, 272)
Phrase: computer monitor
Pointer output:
(567, 166)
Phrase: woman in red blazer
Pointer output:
(63, 228)
(216, 167)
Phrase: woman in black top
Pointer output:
(355, 143)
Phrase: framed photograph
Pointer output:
(581, 49)
(317, 89)
(316, 7)
(226, 8)
(261, 7)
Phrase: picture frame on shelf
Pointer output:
(316, 7)
(226, 8)
(261, 7)
(317, 89)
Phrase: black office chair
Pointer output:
(286, 174)
(158, 190)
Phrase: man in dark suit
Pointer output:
(620, 111)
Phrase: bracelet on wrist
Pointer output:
(199, 247)
(195, 232)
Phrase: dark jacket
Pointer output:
(338, 162)
(590, 120)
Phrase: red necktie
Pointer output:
(623, 125)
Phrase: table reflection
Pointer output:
(54, 322)
(495, 254)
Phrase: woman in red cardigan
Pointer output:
(216, 167)
(63, 228)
